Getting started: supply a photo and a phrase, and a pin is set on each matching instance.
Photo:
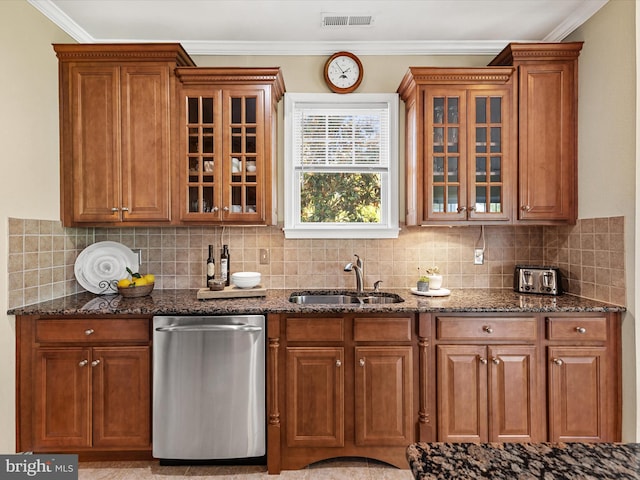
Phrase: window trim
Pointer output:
(390, 197)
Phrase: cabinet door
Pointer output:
(315, 396)
(244, 166)
(445, 194)
(547, 154)
(62, 378)
(145, 143)
(513, 391)
(578, 402)
(95, 164)
(384, 396)
(121, 397)
(200, 159)
(462, 393)
(490, 156)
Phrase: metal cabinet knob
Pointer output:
(581, 330)
(487, 329)
(483, 360)
(495, 360)
(338, 363)
(525, 208)
(215, 209)
(558, 361)
(472, 209)
(362, 362)
(89, 331)
(115, 209)
(95, 363)
(461, 209)
(83, 363)
(125, 209)
(225, 209)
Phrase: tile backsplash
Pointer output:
(590, 254)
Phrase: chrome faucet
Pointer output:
(358, 269)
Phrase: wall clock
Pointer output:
(343, 72)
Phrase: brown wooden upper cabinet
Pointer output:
(115, 123)
(494, 144)
(548, 129)
(227, 145)
(460, 155)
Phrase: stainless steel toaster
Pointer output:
(537, 279)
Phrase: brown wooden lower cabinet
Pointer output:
(84, 386)
(341, 386)
(488, 394)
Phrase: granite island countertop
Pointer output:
(184, 302)
(522, 461)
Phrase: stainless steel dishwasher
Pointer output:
(209, 387)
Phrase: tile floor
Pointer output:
(337, 469)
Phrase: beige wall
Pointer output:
(29, 135)
(29, 155)
(607, 156)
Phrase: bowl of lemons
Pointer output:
(136, 284)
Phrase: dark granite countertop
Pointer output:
(184, 302)
(513, 461)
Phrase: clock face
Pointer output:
(343, 72)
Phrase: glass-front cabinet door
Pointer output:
(243, 163)
(227, 151)
(465, 154)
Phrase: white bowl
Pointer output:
(245, 279)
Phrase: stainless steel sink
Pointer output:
(320, 298)
(334, 298)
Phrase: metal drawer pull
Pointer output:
(95, 363)
(89, 331)
(487, 329)
(362, 362)
(483, 360)
(581, 330)
(557, 361)
(495, 360)
(338, 363)
(115, 209)
(125, 209)
(83, 363)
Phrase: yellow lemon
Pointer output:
(124, 283)
(150, 278)
(138, 282)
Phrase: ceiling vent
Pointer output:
(335, 20)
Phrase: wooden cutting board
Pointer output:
(231, 292)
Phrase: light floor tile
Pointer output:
(335, 469)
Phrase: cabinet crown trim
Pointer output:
(231, 75)
(154, 52)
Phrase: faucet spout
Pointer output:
(357, 268)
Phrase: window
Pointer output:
(341, 173)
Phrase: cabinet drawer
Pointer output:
(382, 329)
(577, 329)
(314, 329)
(92, 330)
(483, 329)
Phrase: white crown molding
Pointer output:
(583, 13)
(62, 20)
(361, 48)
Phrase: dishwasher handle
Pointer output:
(242, 327)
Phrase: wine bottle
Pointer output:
(225, 264)
(211, 265)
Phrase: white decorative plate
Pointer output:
(101, 265)
(441, 292)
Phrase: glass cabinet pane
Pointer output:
(447, 165)
(488, 170)
(243, 148)
(201, 154)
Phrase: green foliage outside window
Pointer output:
(340, 198)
